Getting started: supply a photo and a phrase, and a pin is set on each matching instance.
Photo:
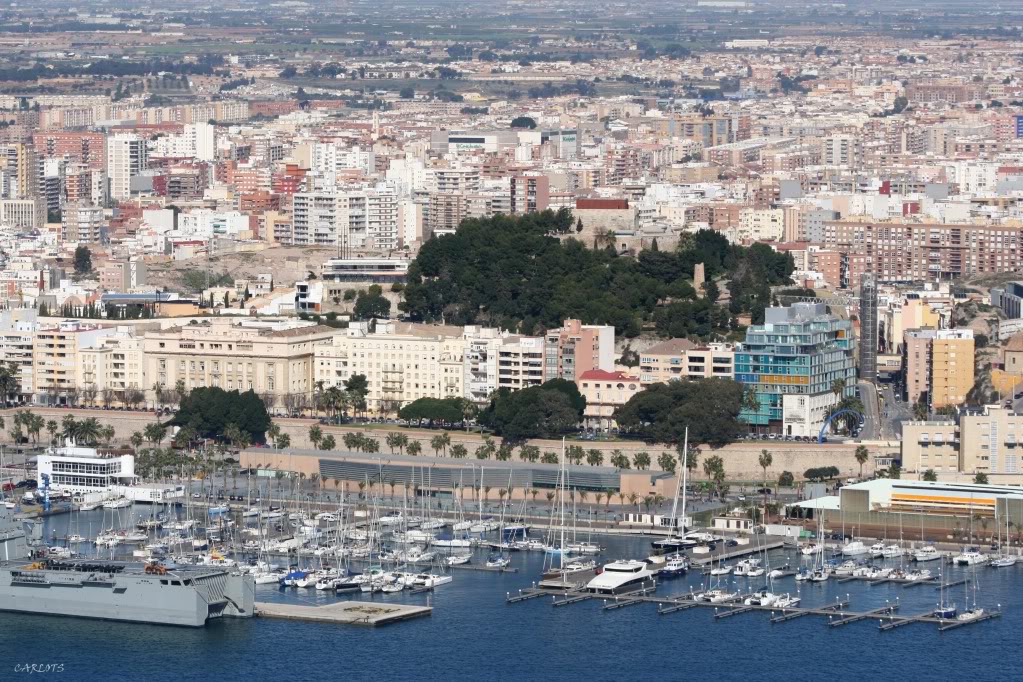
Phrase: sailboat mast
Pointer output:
(561, 552)
(683, 482)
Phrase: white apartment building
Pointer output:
(401, 362)
(367, 218)
(17, 333)
(126, 157)
(197, 141)
(112, 365)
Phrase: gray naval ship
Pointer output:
(115, 590)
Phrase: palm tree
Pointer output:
(53, 428)
(315, 435)
(136, 440)
(440, 443)
(634, 499)
(283, 441)
(862, 455)
(765, 462)
(414, 448)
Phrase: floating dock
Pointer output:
(344, 613)
(837, 612)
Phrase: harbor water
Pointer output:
(474, 635)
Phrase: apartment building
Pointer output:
(112, 365)
(576, 348)
(83, 224)
(792, 362)
(681, 358)
(988, 441)
(938, 366)
(520, 362)
(126, 158)
(930, 445)
(17, 336)
(897, 252)
(402, 362)
(56, 357)
(275, 358)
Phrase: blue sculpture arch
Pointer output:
(827, 423)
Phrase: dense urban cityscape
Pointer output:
(325, 312)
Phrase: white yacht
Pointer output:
(892, 552)
(621, 576)
(877, 550)
(854, 548)
(761, 598)
(970, 557)
(972, 614)
(787, 601)
(926, 553)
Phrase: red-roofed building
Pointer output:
(604, 393)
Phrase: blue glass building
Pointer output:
(792, 362)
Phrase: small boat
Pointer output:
(583, 565)
(970, 614)
(926, 553)
(946, 611)
(809, 550)
(854, 548)
(761, 598)
(219, 509)
(846, 568)
(719, 596)
(676, 565)
(584, 547)
(721, 570)
(430, 580)
(250, 513)
(119, 503)
(1003, 562)
(497, 561)
(787, 601)
(458, 559)
(970, 556)
(75, 539)
(877, 550)
(892, 552)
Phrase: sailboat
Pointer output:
(944, 608)
(1004, 559)
(677, 540)
(974, 612)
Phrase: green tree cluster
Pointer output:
(708, 407)
(515, 273)
(535, 412)
(434, 409)
(209, 411)
(821, 473)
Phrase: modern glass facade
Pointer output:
(799, 350)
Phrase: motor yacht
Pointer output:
(854, 548)
(970, 556)
(761, 598)
(621, 576)
(676, 565)
(926, 553)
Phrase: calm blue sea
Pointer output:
(474, 635)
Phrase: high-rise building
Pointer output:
(126, 158)
(938, 366)
(799, 364)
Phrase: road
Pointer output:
(893, 413)
(871, 419)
